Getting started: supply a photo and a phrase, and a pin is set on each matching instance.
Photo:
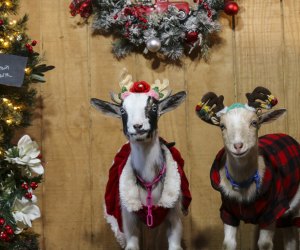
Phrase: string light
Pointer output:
(8, 3)
(9, 121)
(28, 71)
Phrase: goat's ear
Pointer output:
(106, 107)
(171, 102)
(270, 115)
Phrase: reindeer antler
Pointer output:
(261, 98)
(209, 106)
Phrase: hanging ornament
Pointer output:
(231, 8)
(153, 44)
(192, 36)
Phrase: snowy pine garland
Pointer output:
(176, 27)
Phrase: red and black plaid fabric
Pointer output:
(112, 195)
(280, 183)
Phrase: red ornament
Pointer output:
(28, 196)
(25, 186)
(140, 87)
(1, 22)
(231, 8)
(34, 42)
(192, 36)
(2, 221)
(33, 185)
(7, 227)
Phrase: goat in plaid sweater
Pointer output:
(258, 178)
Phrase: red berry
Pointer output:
(25, 186)
(33, 185)
(2, 221)
(7, 227)
(28, 196)
(10, 231)
(34, 42)
(3, 236)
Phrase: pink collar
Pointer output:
(149, 187)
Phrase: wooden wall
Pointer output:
(79, 144)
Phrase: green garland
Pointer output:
(18, 177)
(167, 29)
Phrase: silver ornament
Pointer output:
(153, 44)
(19, 37)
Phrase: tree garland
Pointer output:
(171, 29)
(20, 166)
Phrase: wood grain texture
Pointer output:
(79, 143)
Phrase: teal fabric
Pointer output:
(235, 106)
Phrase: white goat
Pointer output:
(146, 180)
(258, 178)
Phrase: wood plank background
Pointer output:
(79, 144)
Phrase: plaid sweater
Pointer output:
(280, 183)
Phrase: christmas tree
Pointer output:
(20, 166)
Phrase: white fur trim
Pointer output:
(172, 182)
(115, 228)
(129, 190)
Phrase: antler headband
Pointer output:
(158, 90)
(211, 106)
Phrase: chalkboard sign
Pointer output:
(12, 70)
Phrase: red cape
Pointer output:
(112, 196)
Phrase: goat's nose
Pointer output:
(138, 126)
(238, 146)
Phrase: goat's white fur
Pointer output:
(238, 129)
(146, 159)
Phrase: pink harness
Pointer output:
(149, 186)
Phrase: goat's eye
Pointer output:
(254, 123)
(122, 111)
(154, 108)
(222, 126)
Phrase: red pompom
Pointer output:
(274, 102)
(192, 36)
(231, 8)
(140, 87)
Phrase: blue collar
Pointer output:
(245, 184)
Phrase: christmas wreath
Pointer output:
(169, 28)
